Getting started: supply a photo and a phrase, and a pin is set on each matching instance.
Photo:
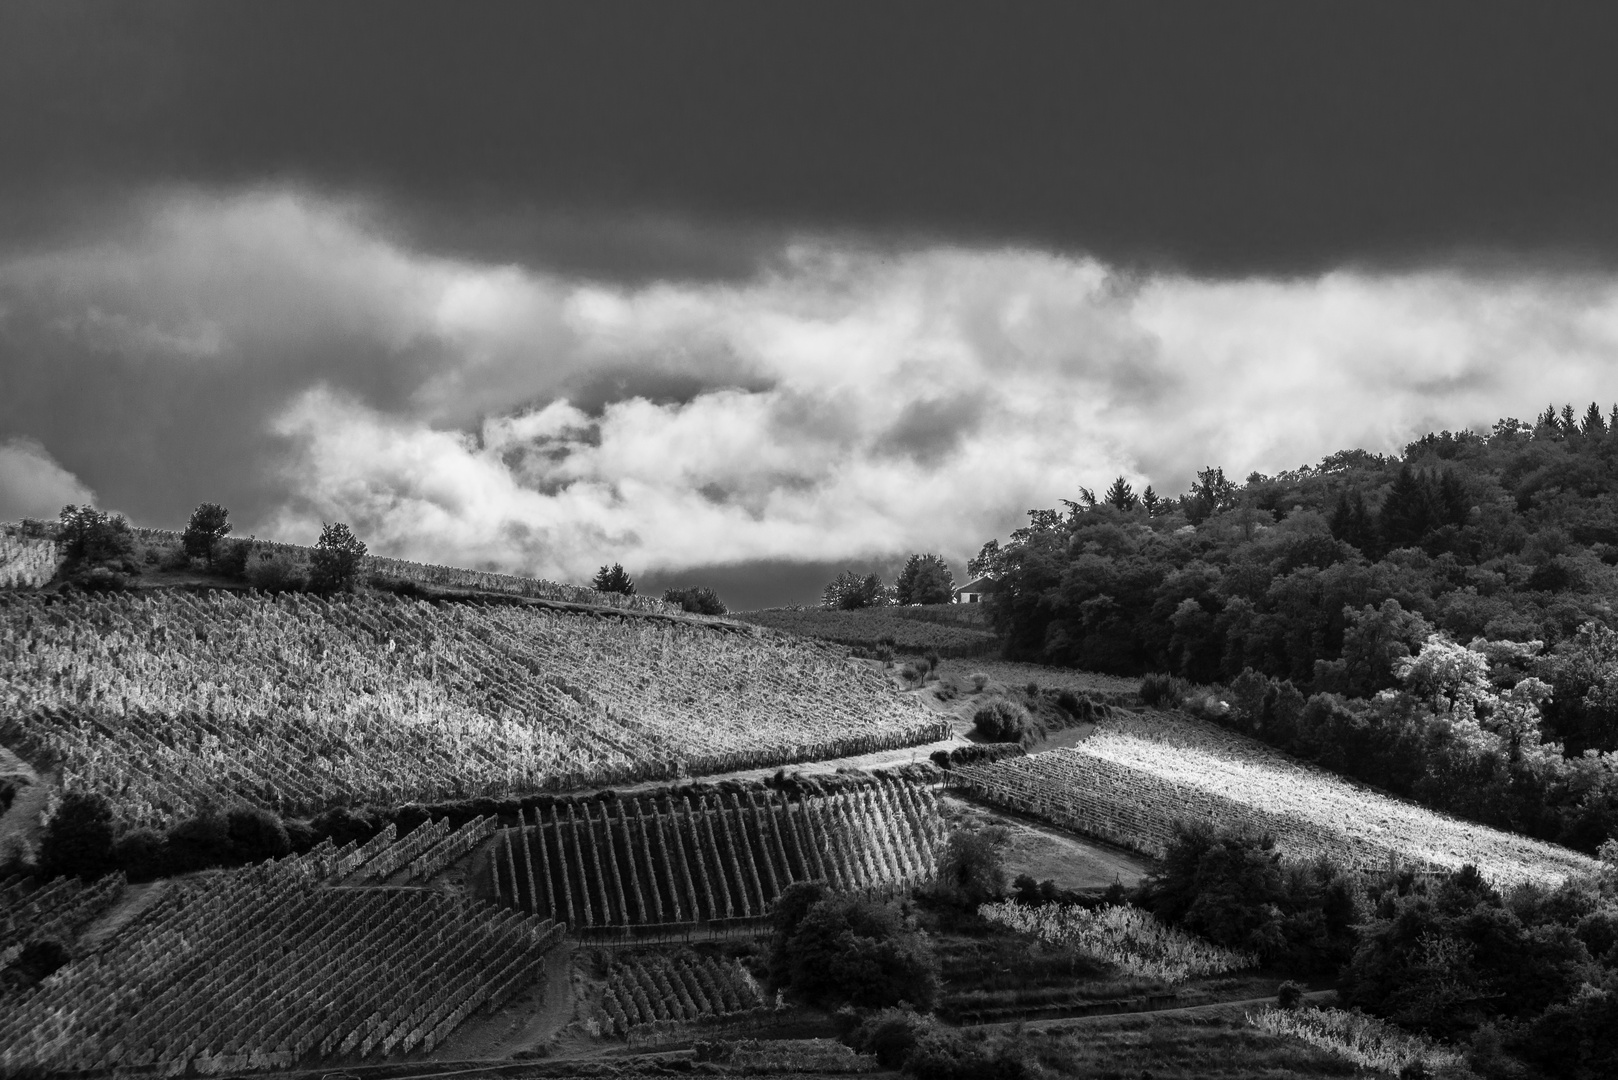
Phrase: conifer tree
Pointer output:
(1351, 523)
(614, 579)
(1149, 500)
(1122, 495)
(1408, 512)
(1594, 425)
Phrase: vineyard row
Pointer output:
(660, 862)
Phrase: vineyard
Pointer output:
(871, 628)
(1131, 787)
(272, 965)
(26, 562)
(659, 992)
(57, 909)
(662, 864)
(1366, 1041)
(1128, 938)
(171, 700)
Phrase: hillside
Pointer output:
(169, 701)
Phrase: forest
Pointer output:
(1437, 623)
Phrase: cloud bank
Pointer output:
(32, 484)
(298, 358)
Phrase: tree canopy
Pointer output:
(613, 579)
(925, 579)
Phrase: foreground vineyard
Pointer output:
(659, 992)
(660, 864)
(25, 562)
(269, 966)
(170, 701)
(1130, 787)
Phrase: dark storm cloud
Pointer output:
(928, 430)
(1220, 137)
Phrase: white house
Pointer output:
(973, 591)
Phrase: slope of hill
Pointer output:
(1132, 780)
(169, 701)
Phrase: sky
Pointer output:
(743, 295)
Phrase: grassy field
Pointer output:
(940, 628)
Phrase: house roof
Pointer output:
(977, 585)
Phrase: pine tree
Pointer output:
(1570, 423)
(1594, 425)
(1122, 495)
(614, 579)
(1351, 523)
(1149, 500)
(1408, 513)
(210, 523)
(1546, 424)
(1453, 500)
(335, 564)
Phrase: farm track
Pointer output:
(1213, 1008)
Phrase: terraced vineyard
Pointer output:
(55, 909)
(660, 992)
(169, 701)
(654, 863)
(1129, 788)
(270, 966)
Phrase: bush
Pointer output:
(230, 557)
(78, 842)
(256, 835)
(972, 870)
(274, 574)
(979, 680)
(38, 959)
(1160, 691)
(198, 843)
(1003, 721)
(890, 1035)
(141, 854)
(1290, 995)
(851, 950)
(698, 600)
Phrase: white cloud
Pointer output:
(33, 485)
(841, 403)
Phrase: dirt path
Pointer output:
(1214, 1008)
(526, 1022)
(137, 899)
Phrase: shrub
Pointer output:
(1003, 721)
(141, 854)
(979, 681)
(698, 600)
(1290, 995)
(890, 1035)
(972, 869)
(256, 835)
(78, 842)
(39, 958)
(230, 557)
(198, 843)
(1163, 691)
(274, 574)
(848, 949)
